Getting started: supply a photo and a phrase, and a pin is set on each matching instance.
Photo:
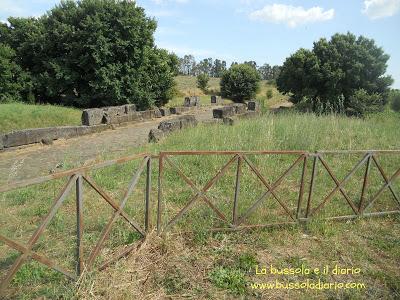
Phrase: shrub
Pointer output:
(362, 103)
(240, 83)
(202, 82)
(394, 100)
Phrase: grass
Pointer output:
(15, 116)
(205, 265)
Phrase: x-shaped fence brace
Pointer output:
(77, 180)
(78, 176)
(237, 221)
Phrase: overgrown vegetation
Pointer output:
(78, 55)
(344, 74)
(216, 265)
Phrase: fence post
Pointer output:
(237, 189)
(147, 196)
(301, 192)
(159, 204)
(79, 225)
(314, 174)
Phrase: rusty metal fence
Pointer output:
(305, 207)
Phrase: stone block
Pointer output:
(216, 100)
(165, 112)
(230, 120)
(188, 121)
(92, 116)
(2, 138)
(213, 122)
(223, 112)
(170, 125)
(179, 110)
(191, 101)
(240, 108)
(155, 135)
(130, 108)
(253, 106)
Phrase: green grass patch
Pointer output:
(16, 116)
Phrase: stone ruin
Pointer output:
(216, 100)
(191, 101)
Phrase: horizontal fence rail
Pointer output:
(308, 165)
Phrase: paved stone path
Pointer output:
(37, 160)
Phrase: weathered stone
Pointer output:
(2, 138)
(130, 108)
(114, 111)
(253, 106)
(47, 141)
(92, 117)
(157, 113)
(188, 121)
(216, 100)
(165, 112)
(223, 112)
(192, 101)
(179, 110)
(155, 135)
(170, 125)
(230, 120)
(240, 108)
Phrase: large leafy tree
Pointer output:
(335, 72)
(94, 53)
(240, 82)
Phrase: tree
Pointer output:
(335, 71)
(202, 81)
(93, 53)
(15, 84)
(394, 100)
(240, 82)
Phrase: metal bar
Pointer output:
(38, 180)
(301, 192)
(79, 225)
(147, 197)
(386, 180)
(201, 193)
(115, 206)
(272, 187)
(350, 217)
(182, 212)
(312, 183)
(22, 258)
(176, 153)
(116, 214)
(382, 189)
(237, 190)
(159, 202)
(364, 187)
(339, 184)
(36, 256)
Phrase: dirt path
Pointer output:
(38, 160)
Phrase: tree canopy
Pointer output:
(240, 82)
(335, 72)
(92, 53)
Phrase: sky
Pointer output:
(266, 31)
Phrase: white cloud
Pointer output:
(376, 9)
(292, 15)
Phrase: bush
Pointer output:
(202, 82)
(240, 83)
(93, 53)
(362, 103)
(394, 100)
